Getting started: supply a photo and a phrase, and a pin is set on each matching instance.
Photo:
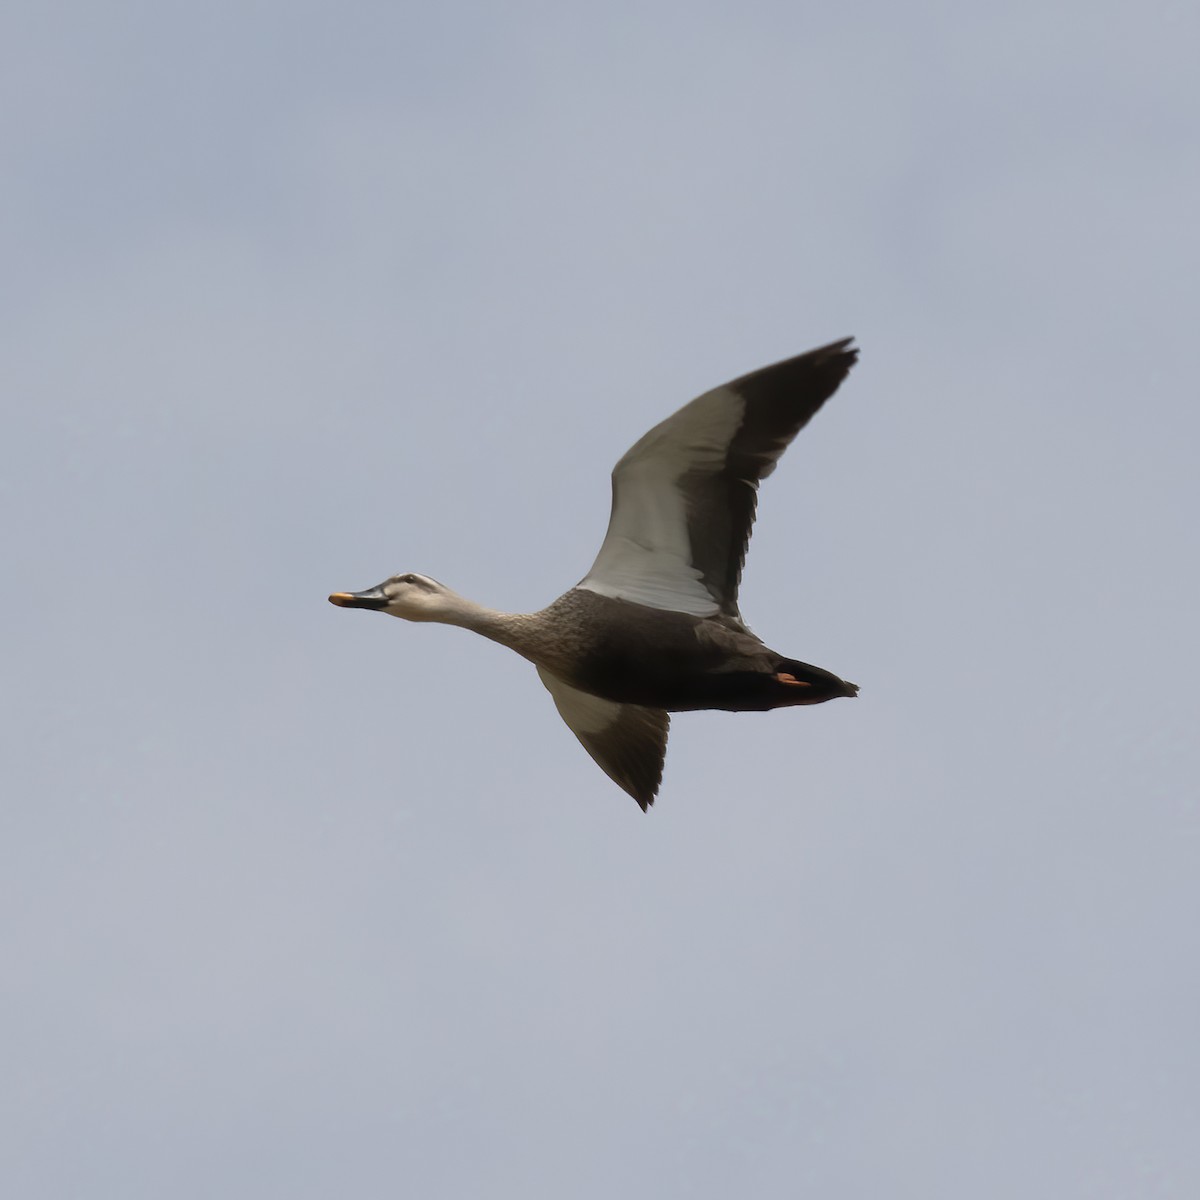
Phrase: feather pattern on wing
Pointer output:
(628, 742)
(684, 495)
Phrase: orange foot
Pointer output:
(784, 677)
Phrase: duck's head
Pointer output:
(413, 597)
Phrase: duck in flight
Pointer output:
(654, 627)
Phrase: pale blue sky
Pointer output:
(307, 903)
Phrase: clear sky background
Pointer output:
(299, 902)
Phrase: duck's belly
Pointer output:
(637, 655)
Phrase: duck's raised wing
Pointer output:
(684, 495)
(628, 742)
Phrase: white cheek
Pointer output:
(406, 610)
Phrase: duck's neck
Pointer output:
(509, 629)
(550, 639)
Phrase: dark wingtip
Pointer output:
(843, 352)
(844, 349)
(810, 379)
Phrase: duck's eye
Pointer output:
(408, 579)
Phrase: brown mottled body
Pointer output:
(633, 654)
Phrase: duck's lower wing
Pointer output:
(628, 742)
